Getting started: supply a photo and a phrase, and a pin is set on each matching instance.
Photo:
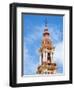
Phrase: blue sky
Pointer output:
(33, 27)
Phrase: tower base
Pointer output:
(47, 68)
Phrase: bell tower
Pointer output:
(46, 63)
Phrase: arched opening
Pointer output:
(49, 57)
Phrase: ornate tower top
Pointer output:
(46, 41)
(46, 64)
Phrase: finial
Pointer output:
(45, 22)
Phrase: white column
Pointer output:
(46, 56)
(43, 56)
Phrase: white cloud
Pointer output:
(59, 52)
(59, 56)
(29, 65)
(55, 34)
(36, 35)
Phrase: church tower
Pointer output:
(46, 63)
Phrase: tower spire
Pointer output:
(46, 28)
(46, 22)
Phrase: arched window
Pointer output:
(42, 56)
(49, 57)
